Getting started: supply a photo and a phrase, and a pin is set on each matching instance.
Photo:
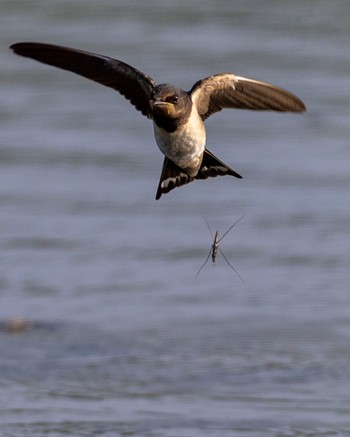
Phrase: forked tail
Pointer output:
(173, 176)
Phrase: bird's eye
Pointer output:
(172, 99)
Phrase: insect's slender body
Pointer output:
(215, 248)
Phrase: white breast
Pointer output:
(186, 145)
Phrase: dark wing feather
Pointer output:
(134, 85)
(226, 90)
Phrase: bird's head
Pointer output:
(169, 101)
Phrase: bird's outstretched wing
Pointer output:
(134, 85)
(225, 90)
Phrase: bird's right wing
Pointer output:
(134, 85)
(225, 90)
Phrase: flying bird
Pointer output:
(178, 116)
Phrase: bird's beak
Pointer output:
(159, 104)
(162, 108)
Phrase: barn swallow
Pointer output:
(178, 116)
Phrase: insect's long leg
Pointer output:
(211, 233)
(228, 262)
(228, 230)
(204, 263)
(215, 247)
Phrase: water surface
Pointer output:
(121, 338)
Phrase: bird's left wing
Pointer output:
(226, 90)
(134, 85)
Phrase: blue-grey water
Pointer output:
(120, 339)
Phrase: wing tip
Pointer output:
(16, 47)
(19, 47)
(301, 107)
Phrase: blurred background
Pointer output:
(104, 329)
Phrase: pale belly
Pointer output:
(184, 147)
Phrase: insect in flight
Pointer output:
(215, 248)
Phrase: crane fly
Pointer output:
(214, 249)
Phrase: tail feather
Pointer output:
(173, 176)
(212, 166)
